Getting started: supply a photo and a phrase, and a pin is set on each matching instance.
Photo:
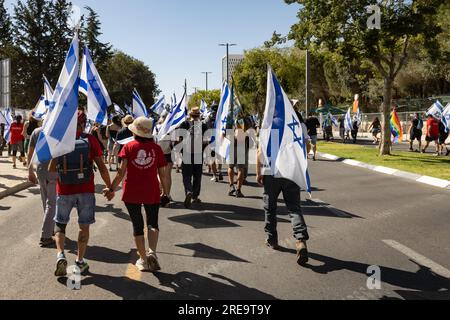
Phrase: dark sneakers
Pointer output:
(302, 253)
(47, 243)
(239, 194)
(83, 266)
(232, 192)
(188, 201)
(272, 244)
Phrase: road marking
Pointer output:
(133, 273)
(423, 261)
(335, 211)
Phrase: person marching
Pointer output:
(142, 162)
(17, 141)
(111, 133)
(76, 189)
(47, 182)
(192, 167)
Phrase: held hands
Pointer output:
(109, 194)
(32, 178)
(260, 179)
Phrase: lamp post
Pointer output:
(206, 73)
(228, 45)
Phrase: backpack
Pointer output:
(75, 168)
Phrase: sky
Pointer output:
(179, 39)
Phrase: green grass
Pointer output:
(422, 164)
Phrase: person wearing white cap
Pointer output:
(142, 162)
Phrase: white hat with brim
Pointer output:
(127, 121)
(142, 127)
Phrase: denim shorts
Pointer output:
(84, 203)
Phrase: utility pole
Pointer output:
(308, 82)
(195, 89)
(228, 45)
(206, 73)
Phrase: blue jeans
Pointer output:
(291, 194)
(84, 203)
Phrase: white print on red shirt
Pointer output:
(144, 161)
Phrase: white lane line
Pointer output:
(335, 211)
(423, 261)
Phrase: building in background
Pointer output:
(235, 59)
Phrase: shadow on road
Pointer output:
(183, 286)
(207, 252)
(4, 208)
(117, 212)
(424, 280)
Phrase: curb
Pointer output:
(15, 189)
(430, 181)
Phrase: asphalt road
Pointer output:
(357, 219)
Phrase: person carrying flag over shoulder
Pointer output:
(282, 166)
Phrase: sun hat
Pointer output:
(127, 121)
(195, 112)
(142, 127)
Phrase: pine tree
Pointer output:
(5, 26)
(61, 36)
(32, 37)
(101, 52)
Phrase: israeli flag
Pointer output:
(129, 110)
(359, 117)
(446, 118)
(139, 108)
(118, 110)
(174, 119)
(41, 109)
(436, 110)
(7, 119)
(173, 102)
(348, 120)
(282, 139)
(158, 107)
(59, 131)
(333, 120)
(91, 85)
(222, 144)
(48, 94)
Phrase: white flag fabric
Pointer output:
(436, 110)
(7, 118)
(118, 110)
(91, 85)
(48, 94)
(348, 120)
(282, 139)
(173, 102)
(41, 109)
(359, 117)
(139, 108)
(45, 103)
(446, 118)
(174, 119)
(222, 144)
(159, 106)
(333, 119)
(59, 131)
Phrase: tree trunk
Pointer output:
(386, 142)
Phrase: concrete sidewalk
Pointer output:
(12, 180)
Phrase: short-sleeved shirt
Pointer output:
(89, 187)
(141, 184)
(43, 167)
(433, 127)
(123, 134)
(16, 133)
(312, 124)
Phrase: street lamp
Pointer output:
(228, 45)
(206, 73)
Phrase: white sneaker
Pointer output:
(142, 265)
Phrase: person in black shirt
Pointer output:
(192, 166)
(415, 132)
(312, 123)
(124, 134)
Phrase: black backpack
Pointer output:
(75, 168)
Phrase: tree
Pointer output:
(342, 27)
(123, 73)
(250, 76)
(210, 97)
(101, 52)
(5, 26)
(34, 46)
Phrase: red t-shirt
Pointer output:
(70, 189)
(433, 128)
(141, 184)
(16, 133)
